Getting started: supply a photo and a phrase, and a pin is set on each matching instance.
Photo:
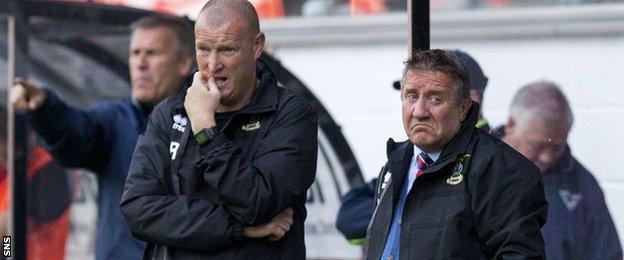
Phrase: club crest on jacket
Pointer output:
(457, 176)
(251, 126)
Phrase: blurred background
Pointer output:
(348, 53)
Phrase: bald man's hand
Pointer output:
(274, 230)
(201, 102)
(26, 95)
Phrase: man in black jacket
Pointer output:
(357, 205)
(224, 166)
(452, 191)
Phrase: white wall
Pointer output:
(354, 83)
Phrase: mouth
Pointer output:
(221, 81)
(142, 81)
(418, 127)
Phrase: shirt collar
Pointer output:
(433, 155)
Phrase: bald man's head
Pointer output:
(541, 101)
(540, 119)
(218, 12)
(228, 43)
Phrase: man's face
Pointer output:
(537, 142)
(228, 52)
(431, 115)
(156, 67)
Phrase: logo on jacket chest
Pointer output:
(571, 200)
(457, 176)
(252, 126)
(179, 122)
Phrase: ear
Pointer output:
(464, 108)
(510, 127)
(186, 65)
(259, 45)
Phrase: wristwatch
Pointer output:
(205, 135)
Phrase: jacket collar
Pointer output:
(399, 154)
(399, 159)
(264, 98)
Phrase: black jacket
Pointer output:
(479, 200)
(188, 201)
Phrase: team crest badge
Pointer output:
(457, 176)
(251, 126)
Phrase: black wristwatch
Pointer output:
(205, 135)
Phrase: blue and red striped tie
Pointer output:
(423, 161)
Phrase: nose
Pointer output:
(420, 110)
(141, 61)
(214, 63)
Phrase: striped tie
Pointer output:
(423, 161)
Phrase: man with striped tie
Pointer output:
(452, 190)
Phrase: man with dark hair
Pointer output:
(579, 225)
(452, 190)
(102, 138)
(224, 166)
(358, 204)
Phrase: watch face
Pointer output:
(205, 136)
(201, 138)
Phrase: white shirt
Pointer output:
(411, 174)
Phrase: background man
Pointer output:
(579, 225)
(358, 204)
(452, 190)
(230, 151)
(102, 139)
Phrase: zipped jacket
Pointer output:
(189, 201)
(479, 200)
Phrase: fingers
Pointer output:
(18, 97)
(278, 231)
(25, 95)
(281, 224)
(204, 78)
(197, 77)
(275, 230)
(212, 86)
(286, 216)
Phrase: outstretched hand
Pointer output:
(26, 95)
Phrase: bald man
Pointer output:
(102, 138)
(579, 225)
(223, 168)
